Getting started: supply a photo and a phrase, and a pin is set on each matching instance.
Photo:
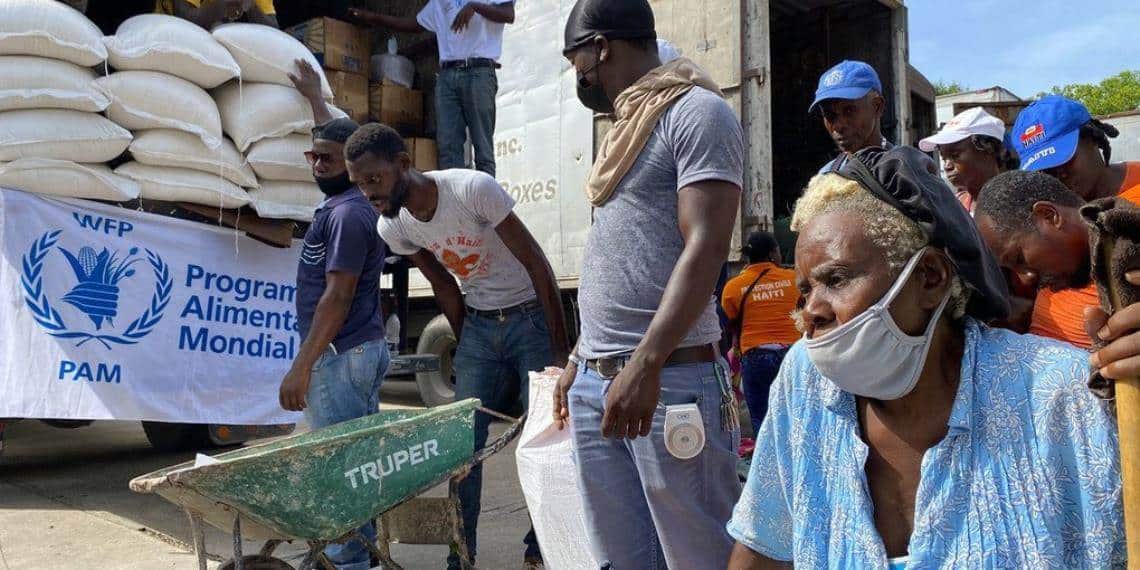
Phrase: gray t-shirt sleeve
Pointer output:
(487, 200)
(706, 139)
(393, 234)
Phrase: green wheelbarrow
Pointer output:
(319, 487)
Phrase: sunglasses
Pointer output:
(313, 157)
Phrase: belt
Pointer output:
(469, 63)
(501, 314)
(610, 367)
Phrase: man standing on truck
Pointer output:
(459, 224)
(850, 98)
(666, 191)
(343, 358)
(470, 37)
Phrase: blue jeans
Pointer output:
(644, 507)
(492, 363)
(344, 387)
(758, 370)
(465, 102)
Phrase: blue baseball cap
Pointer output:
(1046, 133)
(848, 80)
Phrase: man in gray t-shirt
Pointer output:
(662, 228)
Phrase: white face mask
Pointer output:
(869, 356)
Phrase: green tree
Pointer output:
(948, 87)
(1121, 92)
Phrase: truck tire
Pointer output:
(177, 437)
(437, 388)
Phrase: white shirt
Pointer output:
(462, 237)
(481, 37)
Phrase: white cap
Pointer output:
(972, 121)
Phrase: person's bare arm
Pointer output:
(498, 13)
(255, 16)
(706, 214)
(331, 312)
(395, 23)
(308, 82)
(205, 16)
(522, 244)
(1119, 359)
(443, 285)
(744, 558)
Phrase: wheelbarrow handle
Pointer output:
(503, 440)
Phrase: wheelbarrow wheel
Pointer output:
(258, 562)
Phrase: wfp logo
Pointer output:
(97, 276)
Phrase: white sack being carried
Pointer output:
(255, 111)
(49, 29)
(183, 185)
(266, 54)
(60, 134)
(286, 200)
(157, 42)
(67, 179)
(151, 100)
(282, 158)
(166, 147)
(549, 481)
(28, 82)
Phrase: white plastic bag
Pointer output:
(60, 134)
(28, 82)
(167, 147)
(393, 67)
(46, 28)
(550, 481)
(67, 179)
(152, 100)
(282, 158)
(267, 55)
(183, 185)
(157, 42)
(286, 200)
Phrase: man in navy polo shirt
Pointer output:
(850, 98)
(343, 357)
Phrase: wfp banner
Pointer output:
(109, 313)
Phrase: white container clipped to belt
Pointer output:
(684, 431)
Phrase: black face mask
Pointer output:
(334, 185)
(592, 95)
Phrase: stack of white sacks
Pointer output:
(185, 145)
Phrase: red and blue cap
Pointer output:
(848, 80)
(1046, 133)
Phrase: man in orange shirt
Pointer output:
(1032, 223)
(759, 303)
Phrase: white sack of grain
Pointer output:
(266, 54)
(255, 111)
(29, 82)
(50, 29)
(286, 200)
(143, 100)
(166, 147)
(60, 134)
(282, 158)
(67, 179)
(158, 42)
(171, 184)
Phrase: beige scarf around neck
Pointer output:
(636, 112)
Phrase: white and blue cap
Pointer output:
(848, 80)
(1046, 133)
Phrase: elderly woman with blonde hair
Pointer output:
(902, 431)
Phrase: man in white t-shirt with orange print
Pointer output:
(507, 316)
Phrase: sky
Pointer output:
(1026, 46)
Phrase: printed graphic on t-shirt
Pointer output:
(461, 255)
(313, 254)
(770, 290)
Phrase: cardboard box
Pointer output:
(424, 153)
(398, 107)
(338, 45)
(350, 93)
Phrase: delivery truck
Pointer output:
(767, 56)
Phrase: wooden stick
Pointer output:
(1128, 426)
